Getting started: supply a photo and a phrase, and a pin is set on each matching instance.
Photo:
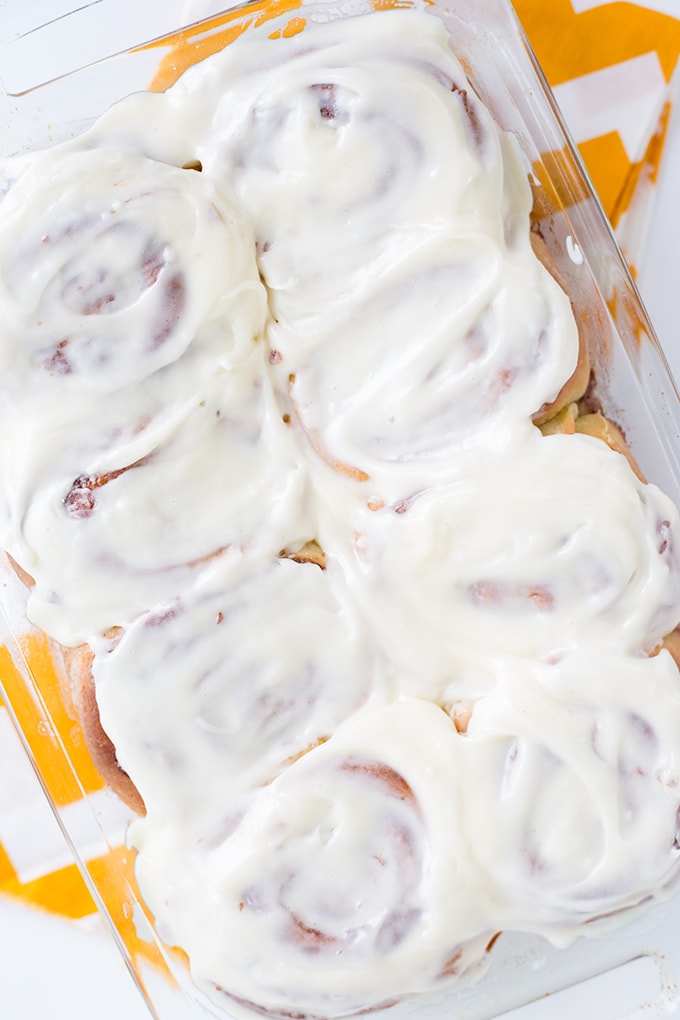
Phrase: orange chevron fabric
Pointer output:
(572, 46)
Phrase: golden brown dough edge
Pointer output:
(78, 666)
(74, 670)
(577, 384)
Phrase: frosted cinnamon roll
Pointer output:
(399, 400)
(258, 662)
(346, 883)
(131, 308)
(111, 264)
(391, 217)
(572, 788)
(223, 473)
(348, 151)
(521, 558)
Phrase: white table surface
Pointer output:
(81, 975)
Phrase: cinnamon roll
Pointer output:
(447, 361)
(343, 170)
(258, 662)
(220, 473)
(563, 733)
(111, 265)
(381, 264)
(142, 427)
(346, 883)
(561, 560)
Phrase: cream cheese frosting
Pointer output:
(348, 879)
(305, 308)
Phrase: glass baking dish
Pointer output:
(61, 97)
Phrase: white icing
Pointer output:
(349, 879)
(385, 205)
(337, 331)
(582, 773)
(263, 662)
(112, 264)
(514, 557)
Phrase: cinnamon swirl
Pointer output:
(564, 563)
(564, 733)
(111, 265)
(381, 263)
(351, 871)
(257, 663)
